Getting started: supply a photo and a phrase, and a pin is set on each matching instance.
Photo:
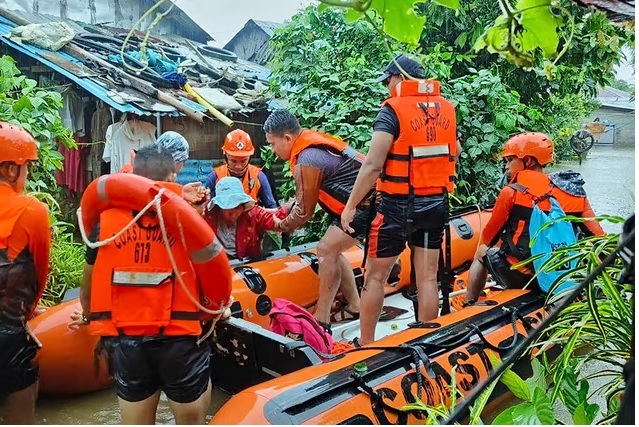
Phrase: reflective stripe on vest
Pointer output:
(422, 158)
(250, 181)
(137, 278)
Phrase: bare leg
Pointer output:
(192, 412)
(19, 408)
(347, 285)
(476, 276)
(377, 271)
(333, 270)
(426, 263)
(142, 412)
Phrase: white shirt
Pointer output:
(122, 137)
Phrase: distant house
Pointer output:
(251, 42)
(617, 112)
(114, 13)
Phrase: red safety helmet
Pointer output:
(532, 144)
(16, 144)
(238, 143)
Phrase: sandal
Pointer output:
(325, 326)
(341, 313)
(389, 312)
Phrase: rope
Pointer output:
(157, 201)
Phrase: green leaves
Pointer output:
(516, 35)
(539, 27)
(400, 17)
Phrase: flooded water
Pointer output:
(610, 182)
(609, 173)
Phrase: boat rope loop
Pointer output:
(157, 202)
(420, 359)
(514, 316)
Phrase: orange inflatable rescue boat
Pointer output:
(372, 384)
(287, 273)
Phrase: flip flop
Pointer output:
(389, 312)
(341, 313)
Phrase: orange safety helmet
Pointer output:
(533, 144)
(238, 143)
(16, 144)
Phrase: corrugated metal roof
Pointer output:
(615, 98)
(616, 10)
(99, 89)
(268, 27)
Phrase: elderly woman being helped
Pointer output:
(237, 220)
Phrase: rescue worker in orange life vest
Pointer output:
(413, 152)
(147, 322)
(324, 169)
(526, 155)
(25, 240)
(238, 149)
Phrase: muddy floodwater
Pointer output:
(610, 183)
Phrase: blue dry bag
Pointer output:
(545, 239)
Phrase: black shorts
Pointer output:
(392, 227)
(498, 266)
(360, 223)
(143, 365)
(17, 353)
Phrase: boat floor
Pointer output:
(346, 331)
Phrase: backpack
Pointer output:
(545, 239)
(292, 321)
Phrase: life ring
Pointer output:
(129, 191)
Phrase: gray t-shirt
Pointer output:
(226, 236)
(327, 162)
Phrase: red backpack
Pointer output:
(292, 321)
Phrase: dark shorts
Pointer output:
(360, 223)
(392, 227)
(498, 266)
(17, 353)
(143, 365)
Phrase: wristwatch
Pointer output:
(85, 318)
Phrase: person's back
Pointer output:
(25, 240)
(148, 322)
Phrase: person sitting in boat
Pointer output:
(178, 146)
(147, 354)
(526, 155)
(25, 241)
(324, 169)
(237, 221)
(237, 151)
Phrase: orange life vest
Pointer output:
(529, 186)
(250, 181)
(19, 286)
(133, 288)
(422, 158)
(335, 190)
